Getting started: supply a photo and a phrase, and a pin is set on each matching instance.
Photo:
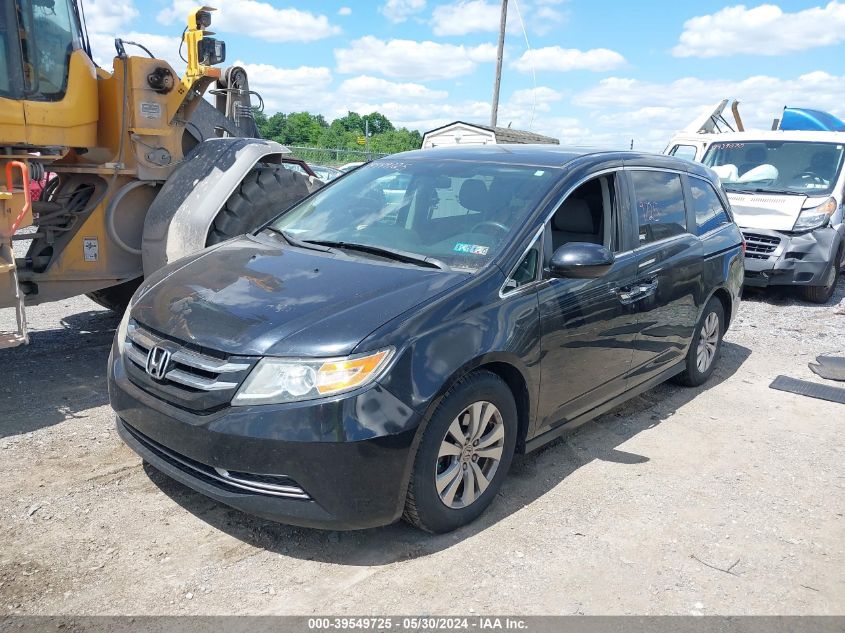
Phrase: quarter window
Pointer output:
(659, 199)
(709, 212)
(527, 270)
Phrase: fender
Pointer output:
(179, 219)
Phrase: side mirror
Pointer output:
(581, 260)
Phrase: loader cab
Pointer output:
(37, 39)
(48, 81)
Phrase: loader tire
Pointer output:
(263, 194)
(116, 298)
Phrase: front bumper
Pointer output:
(774, 258)
(351, 457)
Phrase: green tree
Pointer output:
(304, 128)
(272, 128)
(394, 141)
(378, 123)
(352, 122)
(260, 120)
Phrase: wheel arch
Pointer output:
(505, 368)
(178, 220)
(727, 304)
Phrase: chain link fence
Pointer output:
(333, 157)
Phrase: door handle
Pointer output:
(637, 291)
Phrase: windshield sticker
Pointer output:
(473, 249)
(539, 172)
(396, 165)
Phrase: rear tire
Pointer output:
(451, 484)
(706, 346)
(116, 298)
(263, 194)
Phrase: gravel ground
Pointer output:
(726, 499)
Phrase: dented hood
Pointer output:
(257, 296)
(777, 212)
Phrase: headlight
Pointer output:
(122, 329)
(815, 217)
(277, 380)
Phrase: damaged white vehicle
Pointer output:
(786, 187)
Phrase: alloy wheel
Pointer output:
(708, 342)
(469, 454)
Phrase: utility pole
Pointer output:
(494, 112)
(367, 137)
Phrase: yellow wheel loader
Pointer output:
(110, 175)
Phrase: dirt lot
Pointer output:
(727, 499)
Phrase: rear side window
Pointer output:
(709, 212)
(659, 199)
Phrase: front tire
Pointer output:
(263, 194)
(706, 346)
(464, 454)
(822, 294)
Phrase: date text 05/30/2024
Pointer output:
(429, 623)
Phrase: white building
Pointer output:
(461, 133)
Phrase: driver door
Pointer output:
(588, 328)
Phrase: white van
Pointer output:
(786, 188)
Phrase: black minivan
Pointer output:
(383, 348)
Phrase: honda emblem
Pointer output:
(158, 359)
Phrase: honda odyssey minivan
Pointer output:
(384, 348)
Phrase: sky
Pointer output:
(588, 72)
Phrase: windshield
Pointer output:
(460, 213)
(802, 167)
(37, 38)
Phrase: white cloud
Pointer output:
(344, 11)
(542, 97)
(465, 16)
(411, 59)
(624, 108)
(291, 89)
(162, 46)
(105, 16)
(560, 59)
(546, 18)
(257, 19)
(365, 88)
(108, 20)
(425, 115)
(401, 10)
(479, 16)
(762, 30)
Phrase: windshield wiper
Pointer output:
(390, 253)
(764, 190)
(290, 239)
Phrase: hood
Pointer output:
(777, 212)
(256, 296)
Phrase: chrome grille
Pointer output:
(191, 379)
(189, 368)
(759, 246)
